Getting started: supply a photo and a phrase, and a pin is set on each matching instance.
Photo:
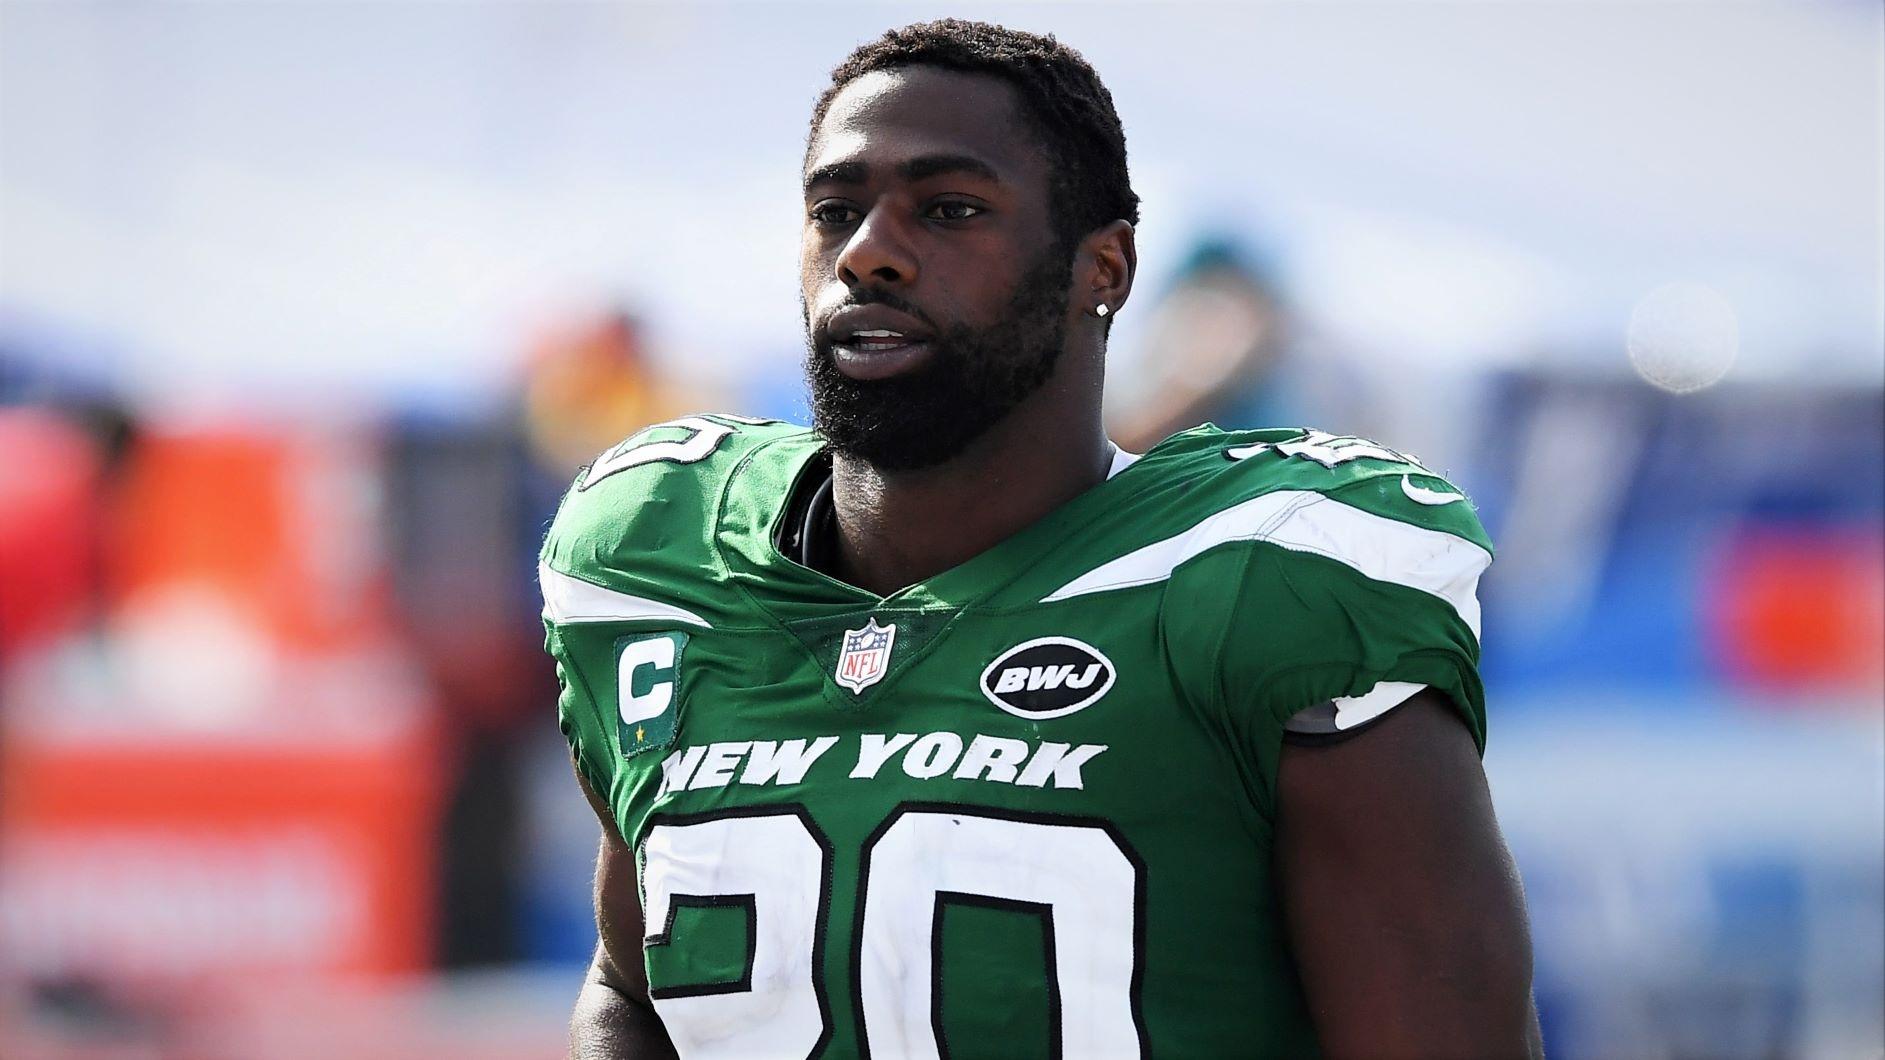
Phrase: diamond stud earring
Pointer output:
(1101, 310)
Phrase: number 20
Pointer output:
(776, 863)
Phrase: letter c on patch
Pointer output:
(655, 654)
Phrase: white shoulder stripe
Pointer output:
(1351, 711)
(568, 599)
(1121, 461)
(1384, 549)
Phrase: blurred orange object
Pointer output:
(593, 384)
(278, 527)
(1802, 607)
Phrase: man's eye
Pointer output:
(831, 213)
(954, 211)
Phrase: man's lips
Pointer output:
(875, 357)
(875, 320)
(876, 342)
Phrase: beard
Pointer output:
(973, 379)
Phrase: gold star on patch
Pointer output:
(641, 734)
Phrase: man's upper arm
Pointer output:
(1402, 905)
(614, 1016)
(618, 905)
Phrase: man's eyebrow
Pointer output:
(915, 169)
(936, 165)
(838, 173)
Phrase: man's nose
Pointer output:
(877, 252)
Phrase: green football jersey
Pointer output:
(1024, 807)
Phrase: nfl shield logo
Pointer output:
(866, 655)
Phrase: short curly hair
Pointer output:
(1061, 96)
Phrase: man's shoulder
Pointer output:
(1207, 496)
(648, 513)
(1287, 470)
(1300, 567)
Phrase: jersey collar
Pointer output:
(758, 505)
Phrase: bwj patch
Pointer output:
(648, 679)
(866, 655)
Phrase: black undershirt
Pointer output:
(809, 532)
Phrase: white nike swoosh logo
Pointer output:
(1423, 495)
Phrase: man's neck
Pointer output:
(899, 528)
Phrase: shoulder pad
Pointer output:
(680, 446)
(1225, 468)
(643, 518)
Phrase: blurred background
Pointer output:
(308, 312)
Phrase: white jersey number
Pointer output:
(1329, 450)
(774, 865)
(703, 436)
(1079, 876)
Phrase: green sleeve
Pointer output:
(581, 719)
(1354, 589)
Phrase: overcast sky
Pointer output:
(391, 198)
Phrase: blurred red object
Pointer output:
(49, 471)
(1801, 607)
(150, 856)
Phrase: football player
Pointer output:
(947, 729)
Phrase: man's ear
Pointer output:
(1109, 257)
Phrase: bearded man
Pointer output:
(946, 728)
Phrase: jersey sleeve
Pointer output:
(630, 558)
(1342, 605)
(580, 717)
(583, 717)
